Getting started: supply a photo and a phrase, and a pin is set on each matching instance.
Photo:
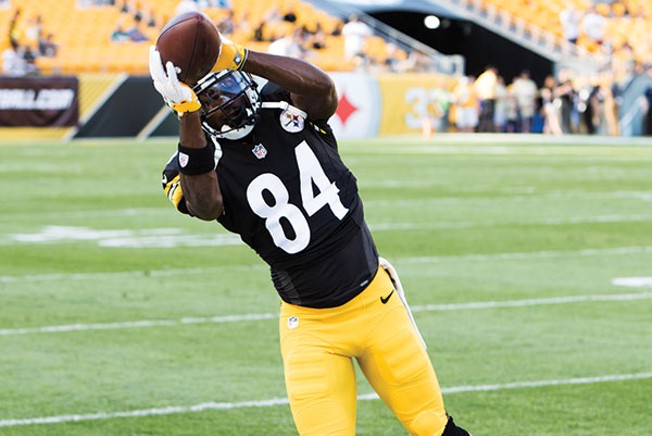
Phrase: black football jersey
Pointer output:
(290, 197)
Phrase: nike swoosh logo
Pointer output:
(384, 300)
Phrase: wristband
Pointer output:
(195, 161)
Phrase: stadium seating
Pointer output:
(628, 21)
(83, 33)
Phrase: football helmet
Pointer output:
(230, 103)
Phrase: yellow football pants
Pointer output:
(318, 345)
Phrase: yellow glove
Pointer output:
(190, 103)
(232, 56)
(178, 95)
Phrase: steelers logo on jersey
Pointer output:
(291, 121)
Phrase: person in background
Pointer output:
(13, 61)
(119, 34)
(567, 96)
(289, 45)
(549, 106)
(136, 33)
(502, 102)
(485, 89)
(465, 105)
(47, 46)
(355, 33)
(570, 19)
(526, 93)
(594, 25)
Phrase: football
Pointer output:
(192, 42)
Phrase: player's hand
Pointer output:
(178, 95)
(232, 56)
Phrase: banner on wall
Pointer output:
(409, 98)
(388, 104)
(357, 114)
(39, 101)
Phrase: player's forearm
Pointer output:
(191, 134)
(203, 195)
(202, 191)
(311, 88)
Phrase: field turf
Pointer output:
(527, 262)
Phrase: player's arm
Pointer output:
(311, 89)
(201, 191)
(198, 186)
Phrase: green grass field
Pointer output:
(119, 316)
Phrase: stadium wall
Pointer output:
(370, 105)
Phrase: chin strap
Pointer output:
(283, 105)
(235, 134)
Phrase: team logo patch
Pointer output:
(291, 122)
(183, 159)
(259, 151)
(293, 322)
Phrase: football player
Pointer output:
(264, 163)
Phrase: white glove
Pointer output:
(178, 95)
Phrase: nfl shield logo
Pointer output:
(183, 159)
(259, 151)
(293, 322)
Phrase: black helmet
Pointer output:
(230, 103)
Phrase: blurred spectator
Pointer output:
(13, 61)
(550, 107)
(318, 37)
(567, 95)
(465, 105)
(289, 45)
(150, 18)
(119, 34)
(485, 88)
(570, 22)
(14, 27)
(32, 32)
(273, 15)
(502, 103)
(259, 32)
(227, 24)
(594, 25)
(526, 92)
(290, 15)
(590, 101)
(243, 27)
(611, 107)
(355, 33)
(135, 33)
(513, 124)
(647, 106)
(47, 47)
(186, 6)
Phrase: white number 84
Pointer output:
(310, 173)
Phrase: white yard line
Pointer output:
(405, 260)
(61, 419)
(268, 316)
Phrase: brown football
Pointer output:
(192, 42)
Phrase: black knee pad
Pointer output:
(452, 430)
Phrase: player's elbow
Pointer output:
(206, 208)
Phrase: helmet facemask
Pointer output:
(230, 103)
